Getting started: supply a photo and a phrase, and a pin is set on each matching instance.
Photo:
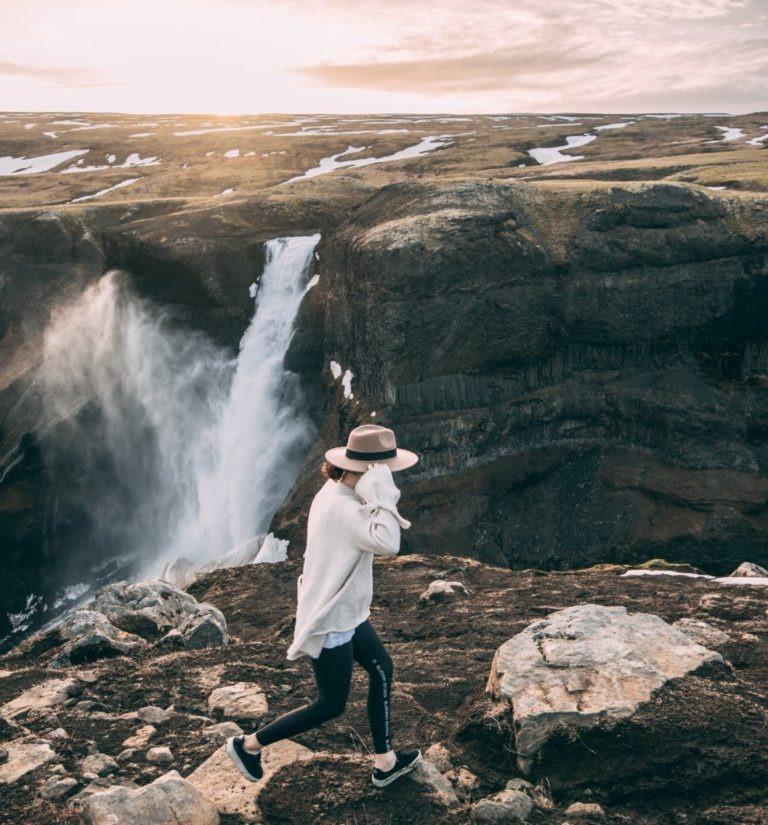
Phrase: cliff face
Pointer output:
(581, 367)
(578, 360)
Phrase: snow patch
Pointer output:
(729, 133)
(40, 163)
(750, 581)
(614, 125)
(122, 183)
(333, 163)
(553, 154)
(634, 573)
(134, 159)
(346, 382)
(272, 550)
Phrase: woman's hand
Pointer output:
(377, 484)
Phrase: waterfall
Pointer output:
(162, 442)
(262, 433)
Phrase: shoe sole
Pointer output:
(232, 753)
(382, 783)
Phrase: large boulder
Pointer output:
(169, 800)
(23, 758)
(89, 636)
(749, 570)
(151, 609)
(585, 664)
(124, 618)
(219, 780)
(48, 694)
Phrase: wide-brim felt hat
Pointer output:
(371, 444)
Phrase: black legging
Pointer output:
(333, 674)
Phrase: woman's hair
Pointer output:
(331, 471)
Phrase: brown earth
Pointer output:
(670, 773)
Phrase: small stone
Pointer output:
(466, 780)
(427, 773)
(58, 769)
(85, 705)
(517, 784)
(504, 806)
(140, 737)
(440, 756)
(59, 734)
(153, 715)
(125, 756)
(702, 632)
(99, 764)
(584, 809)
(218, 734)
(244, 700)
(208, 628)
(58, 788)
(90, 677)
(440, 589)
(89, 776)
(750, 570)
(160, 756)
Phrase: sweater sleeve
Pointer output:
(376, 523)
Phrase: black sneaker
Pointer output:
(405, 761)
(249, 764)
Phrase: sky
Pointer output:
(360, 56)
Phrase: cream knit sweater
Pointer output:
(346, 528)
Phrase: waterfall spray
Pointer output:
(165, 444)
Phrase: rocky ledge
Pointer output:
(599, 695)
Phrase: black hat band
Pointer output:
(354, 454)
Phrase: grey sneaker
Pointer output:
(405, 761)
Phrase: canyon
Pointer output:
(576, 350)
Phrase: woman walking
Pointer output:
(352, 518)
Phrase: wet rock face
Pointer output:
(581, 371)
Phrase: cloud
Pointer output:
(501, 69)
(60, 76)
